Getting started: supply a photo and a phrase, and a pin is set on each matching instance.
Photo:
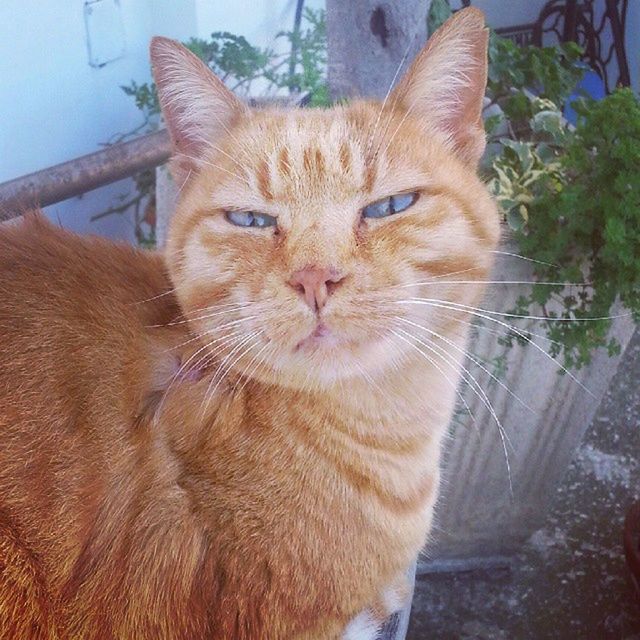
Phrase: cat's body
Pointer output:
(267, 469)
(245, 504)
(215, 526)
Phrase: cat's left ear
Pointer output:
(198, 109)
(445, 85)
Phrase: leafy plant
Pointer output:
(516, 74)
(584, 223)
(566, 192)
(523, 169)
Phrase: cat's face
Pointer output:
(303, 237)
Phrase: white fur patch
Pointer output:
(394, 600)
(363, 627)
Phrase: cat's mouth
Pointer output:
(321, 337)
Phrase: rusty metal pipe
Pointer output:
(83, 174)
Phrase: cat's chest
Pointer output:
(327, 493)
(350, 524)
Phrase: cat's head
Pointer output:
(303, 237)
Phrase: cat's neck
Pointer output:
(406, 403)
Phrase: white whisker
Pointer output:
(183, 371)
(449, 381)
(454, 306)
(216, 148)
(517, 315)
(183, 185)
(204, 317)
(160, 295)
(455, 273)
(216, 166)
(517, 255)
(468, 355)
(222, 372)
(479, 392)
(527, 336)
(245, 376)
(386, 97)
(483, 282)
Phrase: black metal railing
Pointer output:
(587, 22)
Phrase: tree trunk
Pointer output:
(368, 42)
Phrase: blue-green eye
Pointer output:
(250, 219)
(389, 206)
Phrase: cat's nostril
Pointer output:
(332, 285)
(316, 284)
(299, 287)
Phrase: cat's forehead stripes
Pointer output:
(303, 153)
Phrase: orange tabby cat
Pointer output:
(266, 468)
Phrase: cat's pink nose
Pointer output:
(316, 284)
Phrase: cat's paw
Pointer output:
(367, 625)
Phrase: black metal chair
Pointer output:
(586, 22)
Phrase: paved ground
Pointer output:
(570, 581)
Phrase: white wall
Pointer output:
(633, 43)
(54, 106)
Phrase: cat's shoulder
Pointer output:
(36, 254)
(33, 240)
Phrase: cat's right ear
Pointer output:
(197, 108)
(445, 84)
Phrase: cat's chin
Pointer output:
(326, 357)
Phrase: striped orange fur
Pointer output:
(198, 451)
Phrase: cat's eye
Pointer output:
(389, 206)
(250, 219)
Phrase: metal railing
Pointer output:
(77, 176)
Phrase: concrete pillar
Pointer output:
(166, 196)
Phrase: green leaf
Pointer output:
(439, 12)
(522, 150)
(491, 123)
(551, 122)
(517, 218)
